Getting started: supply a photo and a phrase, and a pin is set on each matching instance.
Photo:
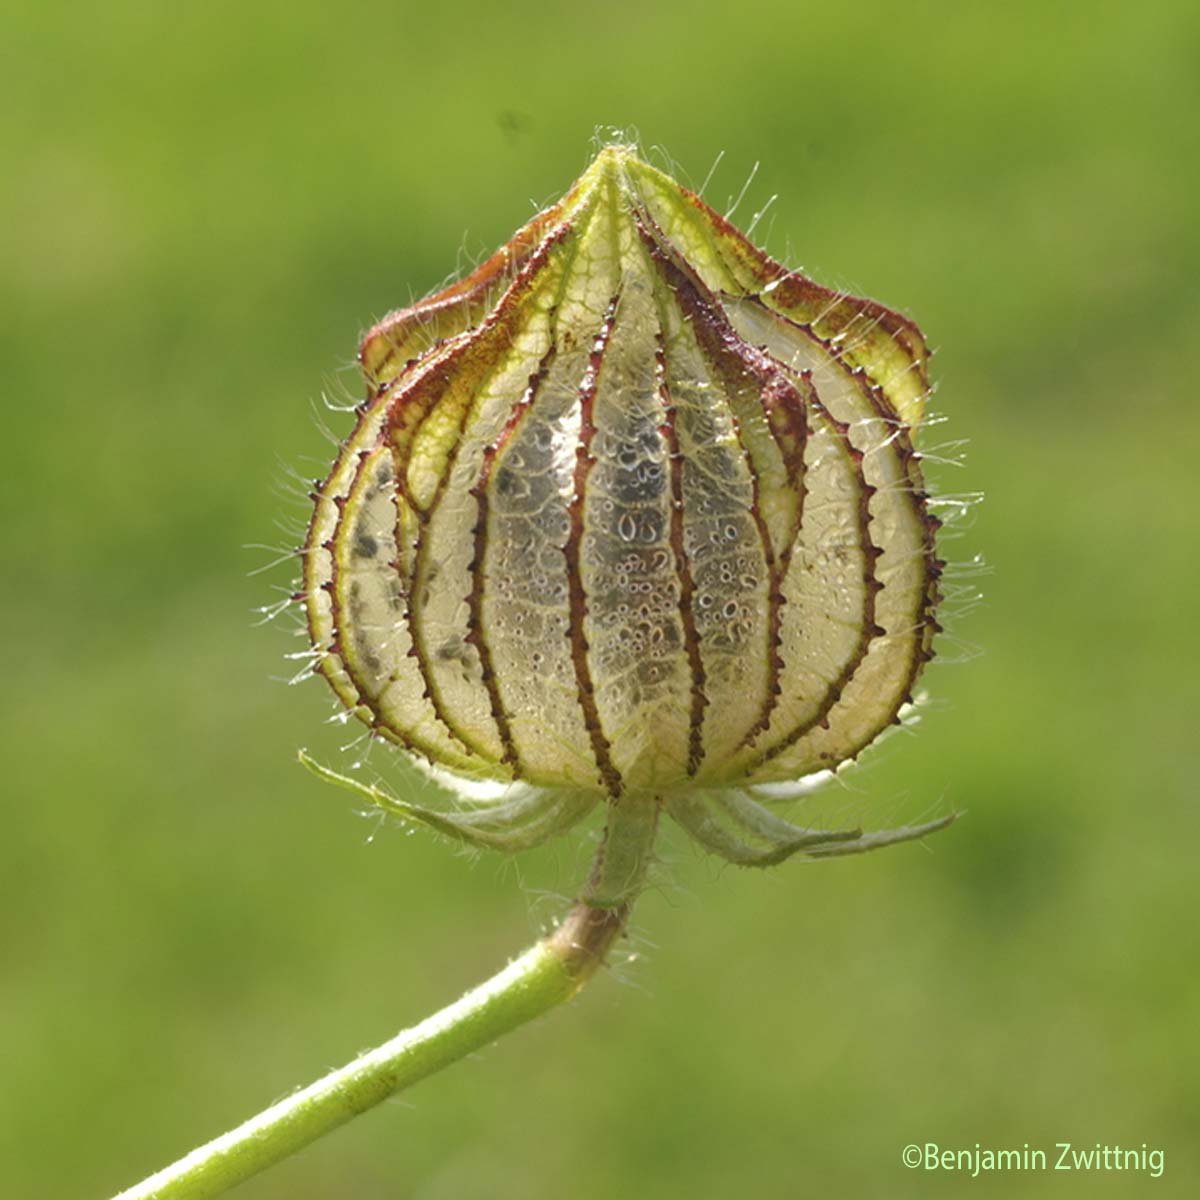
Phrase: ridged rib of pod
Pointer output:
(630, 510)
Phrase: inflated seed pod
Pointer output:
(631, 512)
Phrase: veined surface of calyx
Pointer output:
(630, 510)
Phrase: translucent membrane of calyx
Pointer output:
(631, 508)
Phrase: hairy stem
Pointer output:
(548, 973)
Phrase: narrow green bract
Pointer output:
(631, 512)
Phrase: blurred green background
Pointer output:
(203, 206)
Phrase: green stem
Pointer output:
(548, 973)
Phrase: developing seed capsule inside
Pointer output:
(629, 509)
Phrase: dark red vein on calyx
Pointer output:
(829, 306)
(868, 629)
(577, 599)
(500, 327)
(453, 306)
(873, 395)
(339, 627)
(332, 657)
(413, 399)
(901, 435)
(475, 634)
(687, 584)
(736, 363)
